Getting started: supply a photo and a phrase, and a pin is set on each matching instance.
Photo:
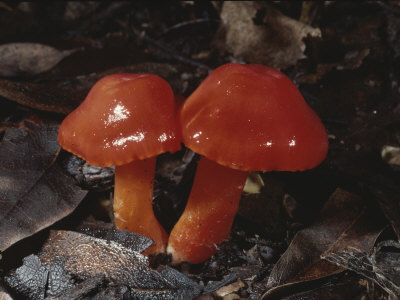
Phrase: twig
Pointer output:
(188, 23)
(170, 52)
(107, 13)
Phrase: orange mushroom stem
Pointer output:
(209, 214)
(133, 202)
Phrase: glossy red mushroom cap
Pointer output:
(123, 118)
(252, 117)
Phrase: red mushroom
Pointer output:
(241, 118)
(126, 120)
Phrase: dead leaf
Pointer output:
(342, 221)
(391, 155)
(381, 266)
(230, 289)
(131, 240)
(32, 278)
(47, 96)
(213, 286)
(5, 296)
(392, 26)
(345, 286)
(320, 72)
(75, 10)
(352, 60)
(22, 59)
(275, 40)
(64, 96)
(34, 191)
(87, 176)
(68, 254)
(91, 286)
(254, 183)
(3, 293)
(3, 5)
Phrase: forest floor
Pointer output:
(327, 233)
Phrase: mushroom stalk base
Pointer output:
(133, 202)
(209, 213)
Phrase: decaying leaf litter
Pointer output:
(342, 55)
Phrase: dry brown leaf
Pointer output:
(381, 266)
(254, 183)
(5, 296)
(34, 191)
(64, 96)
(391, 155)
(75, 10)
(69, 258)
(48, 96)
(230, 288)
(341, 223)
(277, 42)
(352, 60)
(22, 59)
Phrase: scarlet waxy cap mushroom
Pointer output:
(126, 120)
(241, 118)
